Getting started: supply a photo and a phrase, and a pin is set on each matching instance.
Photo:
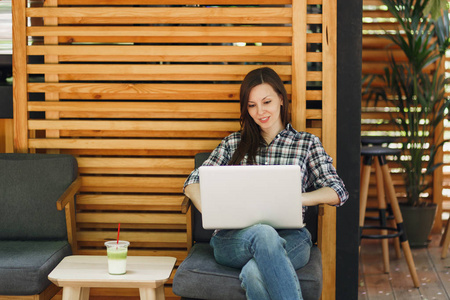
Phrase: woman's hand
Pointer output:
(192, 191)
(323, 195)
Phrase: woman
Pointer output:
(268, 257)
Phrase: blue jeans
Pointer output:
(268, 259)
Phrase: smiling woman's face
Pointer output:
(264, 106)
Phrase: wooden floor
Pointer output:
(433, 273)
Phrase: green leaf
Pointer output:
(423, 37)
(435, 8)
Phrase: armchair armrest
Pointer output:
(66, 201)
(68, 195)
(185, 205)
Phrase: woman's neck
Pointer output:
(269, 136)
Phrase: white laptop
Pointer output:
(235, 197)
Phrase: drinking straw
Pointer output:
(118, 232)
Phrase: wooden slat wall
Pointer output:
(134, 89)
(375, 117)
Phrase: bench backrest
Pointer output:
(30, 185)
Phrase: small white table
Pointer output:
(78, 273)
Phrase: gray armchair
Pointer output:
(34, 188)
(200, 277)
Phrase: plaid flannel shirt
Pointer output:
(289, 147)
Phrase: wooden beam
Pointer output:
(329, 132)
(20, 78)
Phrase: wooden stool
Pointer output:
(385, 188)
(383, 207)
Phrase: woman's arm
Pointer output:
(192, 191)
(218, 157)
(323, 195)
(323, 179)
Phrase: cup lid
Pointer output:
(114, 243)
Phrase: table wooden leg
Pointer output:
(75, 293)
(71, 293)
(152, 294)
(85, 293)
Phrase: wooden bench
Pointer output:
(135, 89)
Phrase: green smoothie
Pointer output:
(119, 253)
(117, 257)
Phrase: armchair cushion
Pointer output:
(30, 184)
(200, 267)
(25, 265)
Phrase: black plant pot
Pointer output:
(418, 222)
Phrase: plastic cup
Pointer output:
(117, 257)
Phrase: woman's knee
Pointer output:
(264, 232)
(266, 236)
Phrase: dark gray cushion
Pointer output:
(200, 277)
(24, 266)
(30, 184)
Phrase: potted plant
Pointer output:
(418, 97)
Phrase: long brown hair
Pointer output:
(250, 131)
